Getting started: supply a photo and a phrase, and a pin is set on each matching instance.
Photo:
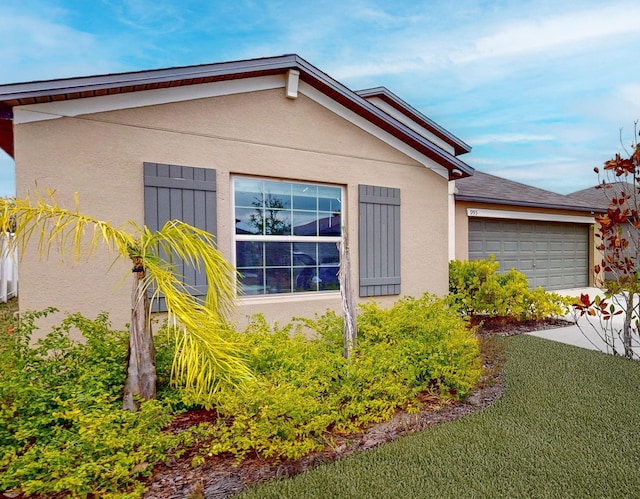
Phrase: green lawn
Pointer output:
(568, 426)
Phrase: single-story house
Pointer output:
(276, 158)
(547, 236)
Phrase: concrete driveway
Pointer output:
(585, 336)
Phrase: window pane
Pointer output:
(328, 279)
(277, 222)
(278, 254)
(328, 253)
(305, 223)
(278, 280)
(305, 254)
(305, 271)
(305, 279)
(251, 281)
(249, 254)
(305, 197)
(249, 221)
(277, 194)
(329, 199)
(248, 192)
(329, 224)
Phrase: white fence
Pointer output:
(8, 271)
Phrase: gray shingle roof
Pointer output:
(486, 188)
(600, 197)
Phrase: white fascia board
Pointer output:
(367, 126)
(89, 105)
(402, 118)
(529, 215)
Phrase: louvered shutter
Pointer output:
(173, 192)
(379, 240)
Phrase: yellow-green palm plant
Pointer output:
(205, 358)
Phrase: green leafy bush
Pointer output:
(478, 289)
(305, 387)
(62, 429)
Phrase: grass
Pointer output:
(568, 426)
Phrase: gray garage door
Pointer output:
(553, 255)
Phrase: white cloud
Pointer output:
(34, 47)
(159, 16)
(27, 36)
(508, 138)
(494, 43)
(548, 34)
(561, 175)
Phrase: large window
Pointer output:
(286, 236)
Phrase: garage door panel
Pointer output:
(526, 246)
(475, 247)
(556, 264)
(542, 246)
(511, 246)
(555, 246)
(526, 264)
(552, 255)
(557, 282)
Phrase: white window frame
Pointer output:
(286, 238)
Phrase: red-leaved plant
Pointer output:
(618, 274)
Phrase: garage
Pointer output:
(554, 255)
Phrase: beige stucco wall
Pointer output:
(462, 227)
(100, 156)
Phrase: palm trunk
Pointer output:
(350, 327)
(141, 364)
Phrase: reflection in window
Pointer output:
(286, 236)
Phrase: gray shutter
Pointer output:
(379, 240)
(184, 193)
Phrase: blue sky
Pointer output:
(539, 89)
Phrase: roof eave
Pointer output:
(397, 103)
(73, 88)
(528, 204)
(36, 89)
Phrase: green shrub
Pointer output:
(62, 429)
(305, 387)
(478, 289)
(432, 343)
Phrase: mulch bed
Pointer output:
(221, 477)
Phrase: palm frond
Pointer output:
(53, 226)
(205, 358)
(197, 248)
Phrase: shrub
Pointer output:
(305, 387)
(477, 288)
(62, 429)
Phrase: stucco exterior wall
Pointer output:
(100, 156)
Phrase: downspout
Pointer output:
(451, 214)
